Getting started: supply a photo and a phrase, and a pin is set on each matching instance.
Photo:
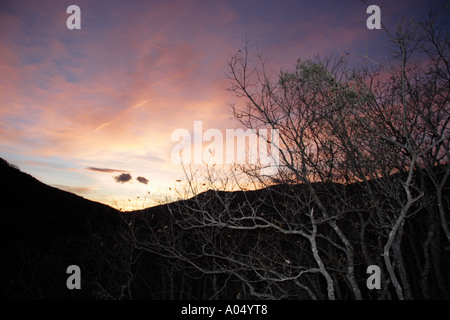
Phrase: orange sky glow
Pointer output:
(81, 107)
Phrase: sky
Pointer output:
(91, 111)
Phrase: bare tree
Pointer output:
(363, 172)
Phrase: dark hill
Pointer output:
(218, 231)
(41, 210)
(174, 251)
(45, 230)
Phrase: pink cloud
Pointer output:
(116, 89)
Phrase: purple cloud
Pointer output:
(142, 180)
(104, 170)
(124, 177)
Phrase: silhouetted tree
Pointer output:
(364, 166)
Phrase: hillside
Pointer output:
(45, 230)
(224, 245)
(37, 207)
(268, 243)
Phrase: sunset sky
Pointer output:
(81, 107)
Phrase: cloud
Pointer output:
(142, 180)
(51, 165)
(77, 95)
(104, 170)
(73, 189)
(124, 177)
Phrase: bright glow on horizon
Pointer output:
(110, 94)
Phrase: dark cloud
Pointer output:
(104, 170)
(124, 177)
(142, 180)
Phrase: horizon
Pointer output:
(91, 111)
